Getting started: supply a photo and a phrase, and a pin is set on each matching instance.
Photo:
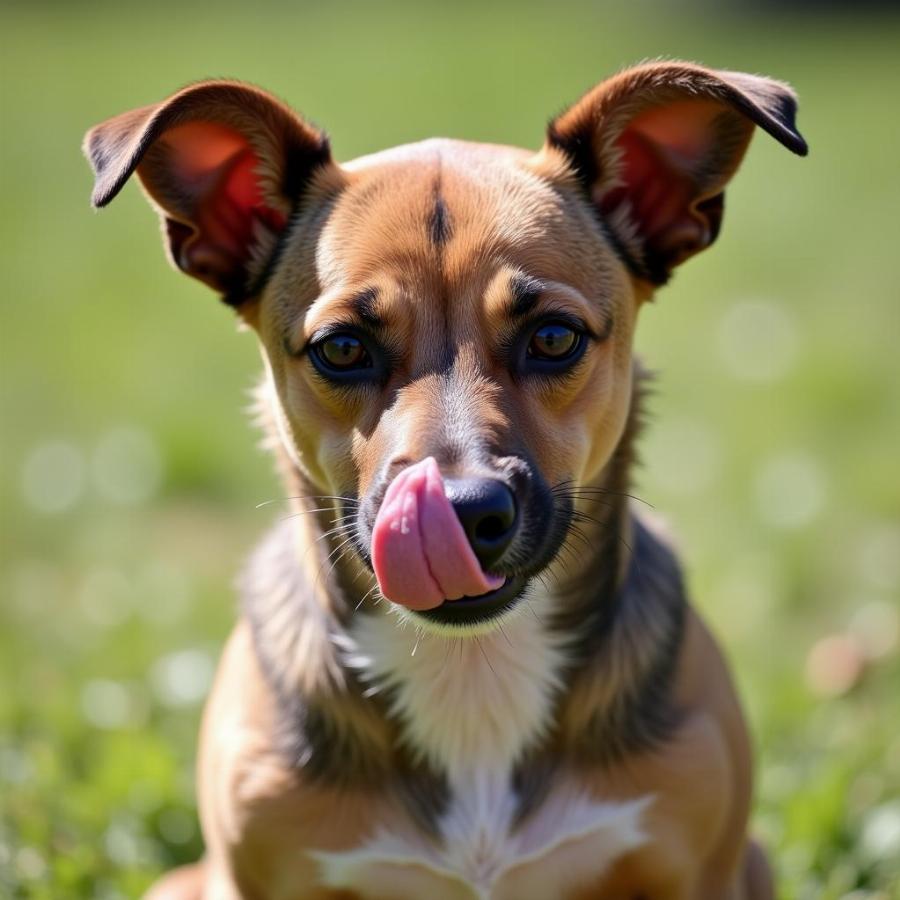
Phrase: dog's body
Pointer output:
(466, 668)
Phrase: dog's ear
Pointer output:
(654, 147)
(224, 164)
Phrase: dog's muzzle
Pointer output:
(434, 541)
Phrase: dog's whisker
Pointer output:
(366, 596)
(301, 512)
(577, 532)
(587, 496)
(582, 541)
(338, 552)
(567, 548)
(305, 512)
(449, 649)
(586, 492)
(356, 574)
(633, 557)
(338, 529)
(486, 657)
(338, 523)
(334, 564)
(355, 500)
(581, 516)
(531, 609)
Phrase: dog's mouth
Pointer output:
(458, 553)
(470, 611)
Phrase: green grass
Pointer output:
(130, 479)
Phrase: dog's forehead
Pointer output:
(448, 224)
(440, 200)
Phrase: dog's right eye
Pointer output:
(341, 353)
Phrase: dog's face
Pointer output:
(462, 306)
(447, 326)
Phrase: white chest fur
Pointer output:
(465, 703)
(470, 707)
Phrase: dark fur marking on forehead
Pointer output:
(526, 292)
(439, 228)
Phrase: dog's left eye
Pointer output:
(554, 342)
(343, 352)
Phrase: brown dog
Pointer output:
(469, 669)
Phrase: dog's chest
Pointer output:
(569, 844)
(469, 707)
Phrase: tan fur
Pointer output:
(305, 754)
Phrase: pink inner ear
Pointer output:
(217, 169)
(663, 153)
(659, 196)
(684, 129)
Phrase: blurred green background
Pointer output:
(130, 476)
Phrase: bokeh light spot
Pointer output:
(750, 590)
(163, 593)
(103, 597)
(834, 665)
(876, 625)
(127, 466)
(30, 865)
(36, 587)
(881, 832)
(182, 678)
(879, 556)
(791, 490)
(683, 456)
(757, 340)
(111, 704)
(53, 477)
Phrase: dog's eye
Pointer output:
(342, 353)
(554, 342)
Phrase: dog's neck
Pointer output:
(580, 671)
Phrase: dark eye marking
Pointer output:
(364, 305)
(526, 292)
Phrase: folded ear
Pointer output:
(223, 163)
(654, 147)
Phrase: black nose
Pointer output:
(487, 510)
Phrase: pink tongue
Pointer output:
(420, 552)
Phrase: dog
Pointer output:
(466, 666)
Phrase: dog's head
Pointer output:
(447, 326)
